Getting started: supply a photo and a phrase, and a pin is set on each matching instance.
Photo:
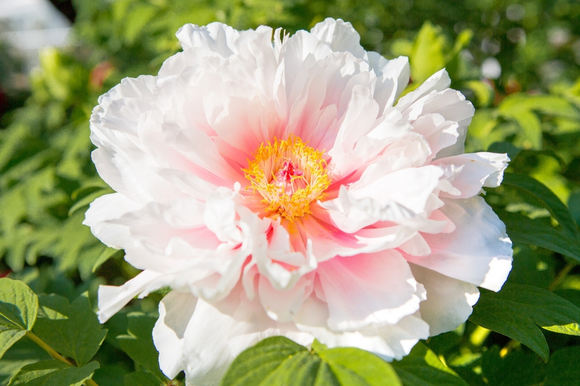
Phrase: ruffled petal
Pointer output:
(478, 251)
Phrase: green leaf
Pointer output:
(86, 200)
(516, 311)
(563, 367)
(428, 54)
(18, 305)
(541, 192)
(518, 367)
(53, 373)
(422, 368)
(566, 329)
(522, 229)
(71, 329)
(138, 344)
(142, 378)
(18, 310)
(8, 338)
(279, 361)
(104, 256)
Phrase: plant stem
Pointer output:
(54, 354)
(559, 279)
(47, 348)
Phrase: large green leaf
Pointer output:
(138, 343)
(422, 368)
(53, 373)
(278, 361)
(71, 329)
(517, 311)
(18, 311)
(542, 193)
(523, 229)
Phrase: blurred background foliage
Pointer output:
(517, 61)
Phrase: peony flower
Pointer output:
(280, 185)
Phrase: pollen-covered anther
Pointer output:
(289, 176)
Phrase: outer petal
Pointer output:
(101, 215)
(470, 172)
(449, 301)
(365, 290)
(478, 251)
(204, 342)
(340, 36)
(389, 341)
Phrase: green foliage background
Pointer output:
(525, 335)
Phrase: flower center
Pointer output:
(288, 175)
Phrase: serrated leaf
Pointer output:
(142, 378)
(517, 311)
(71, 329)
(541, 192)
(53, 373)
(563, 367)
(422, 367)
(279, 361)
(523, 229)
(138, 344)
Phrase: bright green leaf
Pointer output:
(278, 361)
(517, 309)
(71, 329)
(422, 368)
(18, 305)
(138, 344)
(566, 329)
(428, 54)
(18, 310)
(53, 373)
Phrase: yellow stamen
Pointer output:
(289, 175)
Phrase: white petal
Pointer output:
(340, 36)
(471, 172)
(169, 331)
(478, 251)
(101, 215)
(365, 290)
(112, 299)
(212, 339)
(449, 301)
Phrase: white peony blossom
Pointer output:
(281, 186)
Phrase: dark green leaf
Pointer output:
(53, 373)
(278, 361)
(71, 329)
(519, 367)
(563, 369)
(142, 378)
(422, 368)
(138, 344)
(541, 192)
(517, 309)
(523, 229)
